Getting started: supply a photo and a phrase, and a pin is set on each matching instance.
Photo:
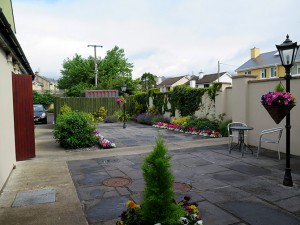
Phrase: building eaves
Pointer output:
(11, 45)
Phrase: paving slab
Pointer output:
(256, 213)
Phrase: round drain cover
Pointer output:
(116, 182)
(181, 187)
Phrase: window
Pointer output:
(263, 73)
(295, 69)
(273, 72)
(248, 72)
(206, 85)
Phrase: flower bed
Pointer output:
(188, 130)
(103, 142)
(132, 215)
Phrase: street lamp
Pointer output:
(287, 52)
(123, 88)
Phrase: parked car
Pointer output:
(40, 113)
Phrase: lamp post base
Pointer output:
(124, 125)
(287, 180)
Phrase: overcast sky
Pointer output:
(163, 37)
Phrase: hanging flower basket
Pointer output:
(278, 104)
(121, 101)
(278, 112)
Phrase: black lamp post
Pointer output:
(288, 51)
(123, 88)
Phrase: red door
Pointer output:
(23, 116)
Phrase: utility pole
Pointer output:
(95, 59)
(218, 71)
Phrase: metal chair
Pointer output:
(233, 134)
(279, 130)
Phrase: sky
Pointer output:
(163, 37)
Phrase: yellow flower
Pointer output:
(195, 209)
(130, 204)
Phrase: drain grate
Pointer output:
(116, 182)
(181, 187)
(34, 197)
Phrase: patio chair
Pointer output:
(275, 140)
(234, 134)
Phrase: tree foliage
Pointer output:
(114, 69)
(46, 99)
(76, 70)
(148, 81)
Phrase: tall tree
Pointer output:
(114, 69)
(76, 70)
(148, 81)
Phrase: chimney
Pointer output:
(158, 80)
(200, 75)
(254, 52)
(192, 83)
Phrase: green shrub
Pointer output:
(64, 109)
(74, 130)
(158, 205)
(46, 99)
(120, 115)
(100, 115)
(111, 119)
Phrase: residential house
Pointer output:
(203, 81)
(42, 84)
(169, 83)
(266, 65)
(12, 62)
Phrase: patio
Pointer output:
(229, 188)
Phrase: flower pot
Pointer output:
(278, 112)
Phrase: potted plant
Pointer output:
(278, 103)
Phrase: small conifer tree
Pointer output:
(158, 199)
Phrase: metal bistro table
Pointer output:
(241, 137)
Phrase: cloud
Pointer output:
(166, 38)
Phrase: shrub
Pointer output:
(145, 118)
(160, 118)
(64, 109)
(100, 115)
(46, 99)
(111, 119)
(120, 115)
(158, 204)
(74, 130)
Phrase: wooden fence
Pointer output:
(90, 105)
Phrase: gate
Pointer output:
(23, 116)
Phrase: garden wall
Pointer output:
(245, 107)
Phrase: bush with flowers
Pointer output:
(103, 142)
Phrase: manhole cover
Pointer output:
(116, 182)
(181, 187)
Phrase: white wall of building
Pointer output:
(7, 143)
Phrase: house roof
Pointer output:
(10, 44)
(263, 60)
(208, 78)
(170, 81)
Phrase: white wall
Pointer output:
(7, 143)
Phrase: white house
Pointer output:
(203, 81)
(169, 83)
